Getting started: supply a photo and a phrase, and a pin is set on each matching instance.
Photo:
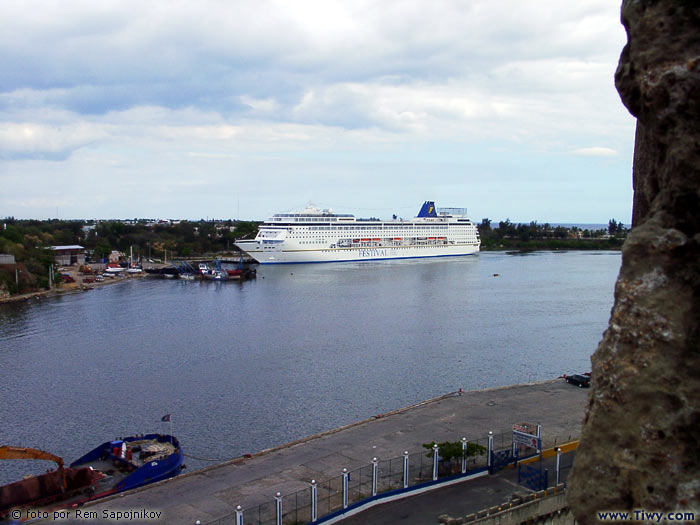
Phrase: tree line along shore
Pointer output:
(25, 257)
(535, 236)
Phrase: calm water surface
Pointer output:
(304, 348)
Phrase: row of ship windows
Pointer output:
(396, 233)
(391, 228)
(415, 247)
(387, 241)
(293, 235)
(375, 226)
(384, 238)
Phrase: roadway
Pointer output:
(212, 493)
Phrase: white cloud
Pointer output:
(267, 106)
(34, 140)
(167, 89)
(596, 151)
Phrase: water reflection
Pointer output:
(245, 366)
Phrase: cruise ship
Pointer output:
(314, 236)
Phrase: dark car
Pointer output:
(579, 380)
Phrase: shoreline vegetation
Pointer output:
(26, 244)
(529, 237)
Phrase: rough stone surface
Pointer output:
(639, 447)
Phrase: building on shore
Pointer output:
(69, 255)
(115, 257)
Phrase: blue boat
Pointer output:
(113, 467)
(133, 462)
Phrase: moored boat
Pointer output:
(110, 468)
(216, 275)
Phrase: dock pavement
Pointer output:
(214, 492)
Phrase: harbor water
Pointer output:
(243, 366)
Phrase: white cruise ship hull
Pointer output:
(315, 236)
(280, 256)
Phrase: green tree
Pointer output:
(616, 228)
(12, 233)
(102, 249)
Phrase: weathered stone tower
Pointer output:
(640, 447)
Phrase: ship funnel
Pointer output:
(428, 210)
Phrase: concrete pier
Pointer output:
(214, 492)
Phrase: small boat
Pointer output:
(216, 275)
(114, 269)
(135, 269)
(187, 276)
(110, 468)
(169, 272)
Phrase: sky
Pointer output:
(241, 109)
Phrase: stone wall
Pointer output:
(639, 446)
(546, 506)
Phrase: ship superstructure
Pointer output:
(323, 236)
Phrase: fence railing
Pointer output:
(350, 488)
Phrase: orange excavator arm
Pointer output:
(7, 452)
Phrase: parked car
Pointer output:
(579, 380)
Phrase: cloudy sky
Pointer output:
(241, 109)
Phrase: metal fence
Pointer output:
(566, 461)
(363, 483)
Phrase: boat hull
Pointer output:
(281, 256)
(86, 478)
(150, 472)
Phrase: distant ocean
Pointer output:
(582, 226)
(585, 226)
